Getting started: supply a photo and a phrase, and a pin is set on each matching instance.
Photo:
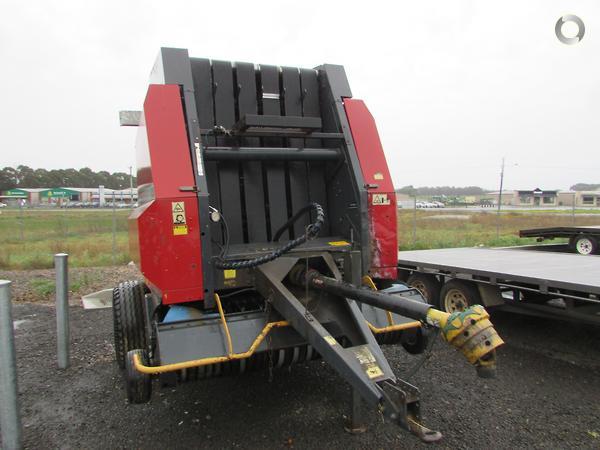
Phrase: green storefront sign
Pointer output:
(16, 193)
(58, 193)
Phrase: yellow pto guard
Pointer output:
(471, 332)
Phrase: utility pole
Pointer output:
(500, 200)
(131, 185)
(414, 230)
(114, 229)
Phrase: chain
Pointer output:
(269, 340)
(380, 413)
(425, 357)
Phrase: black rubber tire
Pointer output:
(467, 290)
(428, 286)
(128, 319)
(416, 341)
(590, 240)
(138, 385)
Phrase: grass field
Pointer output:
(443, 229)
(29, 239)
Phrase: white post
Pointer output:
(62, 309)
(500, 200)
(114, 229)
(101, 199)
(131, 185)
(10, 418)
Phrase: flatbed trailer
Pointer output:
(553, 285)
(583, 240)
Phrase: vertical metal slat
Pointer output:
(275, 170)
(252, 171)
(311, 108)
(203, 93)
(229, 177)
(292, 102)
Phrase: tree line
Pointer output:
(26, 177)
(585, 187)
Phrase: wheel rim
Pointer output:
(584, 246)
(420, 286)
(455, 301)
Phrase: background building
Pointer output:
(580, 198)
(13, 196)
(61, 195)
(527, 198)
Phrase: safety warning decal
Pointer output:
(330, 340)
(338, 243)
(229, 274)
(179, 222)
(367, 361)
(198, 159)
(380, 199)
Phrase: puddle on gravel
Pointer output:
(17, 323)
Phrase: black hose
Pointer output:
(311, 231)
(292, 221)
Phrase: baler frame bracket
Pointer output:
(363, 364)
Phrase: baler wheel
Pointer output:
(415, 341)
(138, 385)
(128, 319)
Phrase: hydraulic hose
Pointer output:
(311, 232)
(292, 221)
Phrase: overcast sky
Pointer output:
(454, 85)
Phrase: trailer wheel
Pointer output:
(458, 295)
(128, 319)
(427, 285)
(138, 385)
(585, 245)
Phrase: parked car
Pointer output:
(439, 204)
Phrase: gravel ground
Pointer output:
(30, 285)
(546, 395)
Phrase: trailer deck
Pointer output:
(539, 283)
(552, 232)
(549, 271)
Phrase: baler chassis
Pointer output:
(267, 221)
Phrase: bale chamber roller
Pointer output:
(266, 235)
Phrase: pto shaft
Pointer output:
(407, 307)
(470, 331)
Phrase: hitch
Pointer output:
(401, 405)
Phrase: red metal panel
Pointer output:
(382, 197)
(169, 256)
(168, 142)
